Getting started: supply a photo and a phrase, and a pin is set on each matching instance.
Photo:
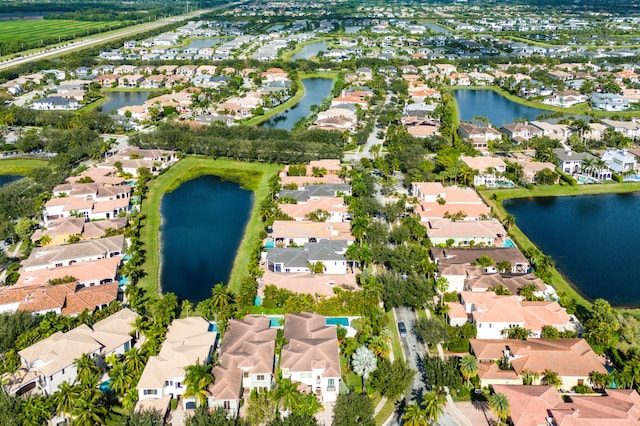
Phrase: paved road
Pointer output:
(63, 48)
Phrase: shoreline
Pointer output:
(558, 279)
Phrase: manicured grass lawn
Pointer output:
(523, 242)
(395, 337)
(29, 31)
(19, 166)
(253, 176)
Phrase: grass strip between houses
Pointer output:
(20, 166)
(251, 176)
(558, 281)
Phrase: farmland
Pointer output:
(16, 36)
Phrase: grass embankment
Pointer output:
(20, 166)
(559, 282)
(389, 406)
(292, 101)
(251, 176)
(581, 109)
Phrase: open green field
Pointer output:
(252, 176)
(19, 166)
(494, 199)
(33, 31)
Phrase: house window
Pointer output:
(580, 382)
(245, 374)
(150, 392)
(168, 383)
(306, 375)
(260, 377)
(178, 385)
(58, 265)
(226, 405)
(63, 371)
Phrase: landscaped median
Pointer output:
(494, 198)
(251, 176)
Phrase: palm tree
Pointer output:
(529, 377)
(134, 361)
(414, 415)
(120, 378)
(499, 404)
(599, 166)
(287, 394)
(364, 363)
(599, 380)
(88, 371)
(359, 228)
(90, 408)
(468, 367)
(587, 166)
(65, 397)
(37, 410)
(45, 240)
(221, 297)
(434, 403)
(442, 285)
(379, 345)
(186, 307)
(197, 379)
(509, 221)
(550, 377)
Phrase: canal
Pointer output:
(315, 90)
(489, 104)
(119, 99)
(594, 241)
(203, 223)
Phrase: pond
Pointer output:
(498, 109)
(119, 99)
(593, 239)
(315, 90)
(437, 28)
(201, 43)
(311, 49)
(352, 29)
(5, 179)
(203, 222)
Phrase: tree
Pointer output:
(287, 394)
(546, 177)
(392, 379)
(143, 418)
(202, 417)
(65, 398)
(37, 410)
(221, 297)
(468, 367)
(90, 408)
(601, 326)
(499, 404)
(599, 380)
(24, 228)
(88, 371)
(414, 415)
(550, 377)
(434, 403)
(364, 363)
(134, 361)
(262, 407)
(509, 220)
(353, 409)
(516, 332)
(529, 377)
(198, 377)
(432, 331)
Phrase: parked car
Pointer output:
(402, 329)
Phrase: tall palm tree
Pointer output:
(197, 379)
(509, 221)
(414, 415)
(65, 398)
(434, 403)
(134, 361)
(221, 297)
(364, 363)
(499, 404)
(529, 377)
(359, 228)
(37, 410)
(287, 394)
(599, 380)
(468, 367)
(379, 345)
(90, 408)
(88, 371)
(120, 378)
(550, 377)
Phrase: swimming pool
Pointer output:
(343, 321)
(508, 243)
(632, 178)
(585, 179)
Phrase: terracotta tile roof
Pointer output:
(84, 272)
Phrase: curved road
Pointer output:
(61, 49)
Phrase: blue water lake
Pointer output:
(498, 109)
(119, 99)
(310, 50)
(593, 239)
(203, 222)
(5, 179)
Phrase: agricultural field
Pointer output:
(19, 35)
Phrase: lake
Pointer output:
(498, 109)
(585, 235)
(311, 49)
(437, 28)
(203, 222)
(5, 179)
(119, 99)
(201, 43)
(315, 90)
(352, 29)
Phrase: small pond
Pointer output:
(201, 43)
(203, 222)
(315, 90)
(310, 50)
(119, 99)
(352, 29)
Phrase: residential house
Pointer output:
(331, 254)
(51, 361)
(65, 255)
(132, 159)
(59, 231)
(572, 359)
(609, 102)
(488, 168)
(565, 98)
(630, 129)
(311, 355)
(480, 136)
(619, 160)
(570, 162)
(519, 133)
(438, 201)
(85, 274)
(246, 362)
(559, 132)
(55, 103)
(466, 232)
(543, 405)
(334, 209)
(189, 341)
(298, 233)
(314, 190)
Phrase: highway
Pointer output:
(96, 40)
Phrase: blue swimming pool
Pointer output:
(343, 321)
(269, 243)
(212, 327)
(105, 386)
(508, 243)
(257, 301)
(275, 322)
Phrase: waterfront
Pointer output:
(5, 179)
(119, 99)
(498, 109)
(310, 50)
(315, 90)
(585, 236)
(203, 223)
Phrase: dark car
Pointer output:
(402, 329)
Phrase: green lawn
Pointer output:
(19, 166)
(49, 31)
(494, 199)
(253, 176)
